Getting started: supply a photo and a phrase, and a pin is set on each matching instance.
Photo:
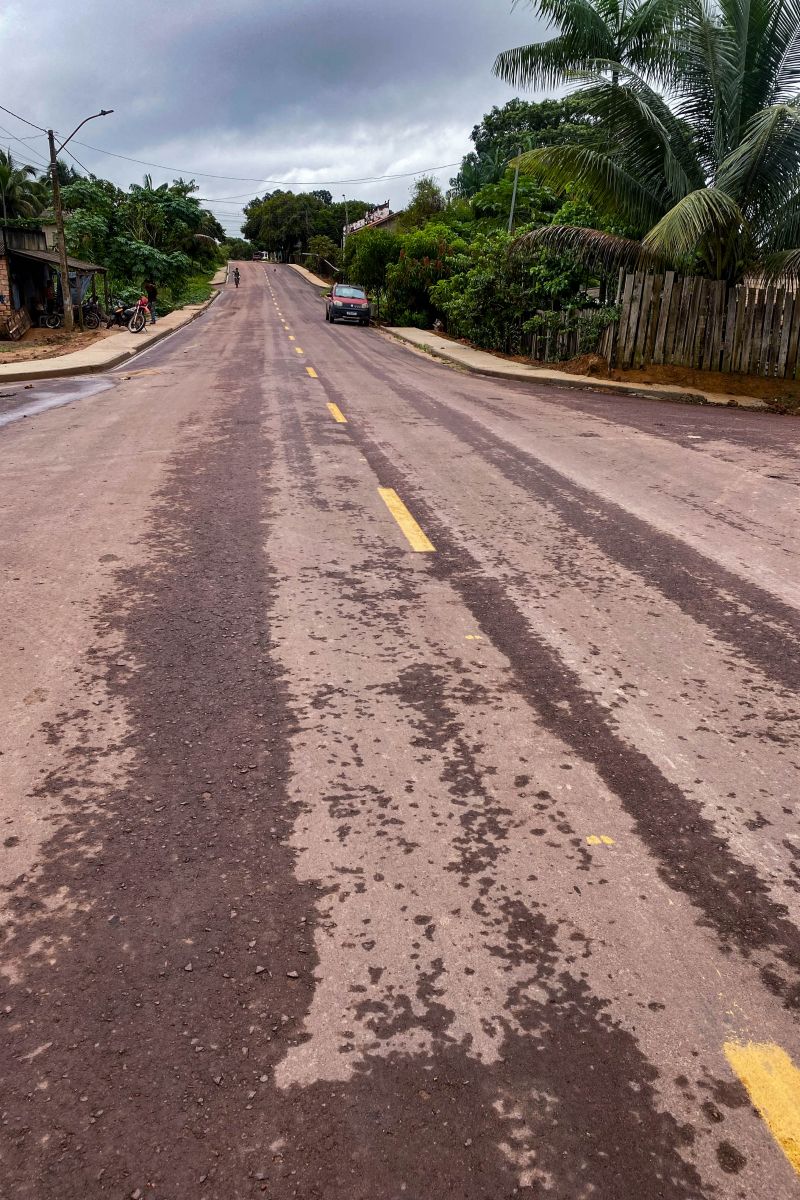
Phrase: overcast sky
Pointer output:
(285, 90)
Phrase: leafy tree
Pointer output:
(323, 255)
(426, 256)
(518, 125)
(368, 255)
(20, 195)
(492, 298)
(710, 178)
(478, 171)
(534, 202)
(237, 248)
(156, 232)
(284, 222)
(427, 201)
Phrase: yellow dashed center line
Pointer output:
(297, 350)
(773, 1084)
(337, 414)
(414, 535)
(291, 337)
(312, 373)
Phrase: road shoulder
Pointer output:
(479, 362)
(108, 352)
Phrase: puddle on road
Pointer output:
(52, 393)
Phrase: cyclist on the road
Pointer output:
(236, 276)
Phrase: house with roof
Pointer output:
(30, 283)
(380, 217)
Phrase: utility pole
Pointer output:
(66, 292)
(2, 189)
(514, 193)
(346, 221)
(63, 265)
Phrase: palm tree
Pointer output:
(708, 173)
(19, 192)
(601, 36)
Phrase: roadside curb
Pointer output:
(577, 383)
(55, 371)
(314, 280)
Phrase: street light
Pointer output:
(66, 293)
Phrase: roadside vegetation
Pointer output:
(145, 232)
(677, 148)
(452, 258)
(694, 143)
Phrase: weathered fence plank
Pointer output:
(705, 325)
(644, 319)
(663, 317)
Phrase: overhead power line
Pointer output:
(242, 178)
(23, 142)
(141, 162)
(23, 119)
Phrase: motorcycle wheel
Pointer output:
(91, 320)
(53, 321)
(137, 322)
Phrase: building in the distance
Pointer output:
(381, 216)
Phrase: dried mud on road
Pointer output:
(315, 913)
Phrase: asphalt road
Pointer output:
(399, 780)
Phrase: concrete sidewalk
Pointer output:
(109, 351)
(480, 362)
(310, 277)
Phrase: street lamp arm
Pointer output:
(104, 112)
(61, 241)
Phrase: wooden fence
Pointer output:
(702, 323)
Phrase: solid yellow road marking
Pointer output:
(773, 1084)
(312, 373)
(602, 840)
(297, 350)
(474, 637)
(337, 414)
(414, 535)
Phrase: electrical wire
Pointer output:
(244, 179)
(313, 183)
(41, 128)
(31, 153)
(76, 159)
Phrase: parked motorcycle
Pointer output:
(92, 315)
(131, 316)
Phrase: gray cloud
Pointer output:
(295, 90)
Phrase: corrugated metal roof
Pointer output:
(50, 256)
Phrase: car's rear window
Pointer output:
(352, 293)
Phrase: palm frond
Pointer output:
(763, 169)
(782, 267)
(592, 247)
(610, 188)
(705, 214)
(645, 130)
(543, 65)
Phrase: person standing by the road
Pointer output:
(152, 296)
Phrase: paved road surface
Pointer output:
(335, 868)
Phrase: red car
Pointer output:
(344, 302)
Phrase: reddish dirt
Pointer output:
(706, 381)
(48, 343)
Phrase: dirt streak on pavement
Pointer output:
(318, 917)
